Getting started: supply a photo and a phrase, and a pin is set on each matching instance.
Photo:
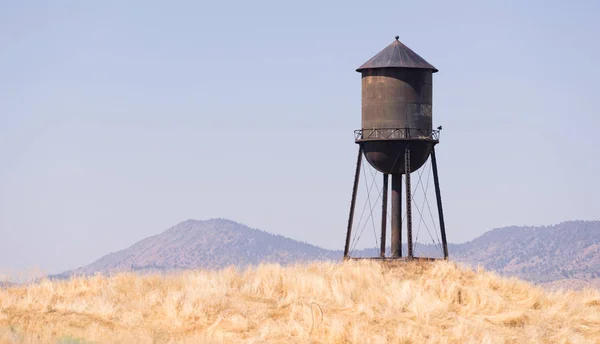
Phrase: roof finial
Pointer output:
(397, 37)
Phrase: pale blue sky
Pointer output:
(119, 119)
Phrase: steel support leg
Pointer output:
(353, 202)
(407, 171)
(384, 202)
(396, 215)
(438, 196)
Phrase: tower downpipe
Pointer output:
(396, 215)
(384, 202)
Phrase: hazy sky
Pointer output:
(119, 119)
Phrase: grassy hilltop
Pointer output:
(352, 302)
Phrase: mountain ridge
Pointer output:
(563, 252)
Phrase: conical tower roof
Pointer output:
(397, 55)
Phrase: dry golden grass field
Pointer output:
(352, 302)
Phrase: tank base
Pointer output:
(387, 156)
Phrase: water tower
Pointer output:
(397, 137)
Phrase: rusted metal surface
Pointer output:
(384, 202)
(397, 55)
(353, 202)
(397, 98)
(438, 196)
(396, 215)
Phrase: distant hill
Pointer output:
(210, 244)
(567, 254)
(570, 250)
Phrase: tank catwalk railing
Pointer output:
(396, 134)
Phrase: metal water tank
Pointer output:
(396, 109)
